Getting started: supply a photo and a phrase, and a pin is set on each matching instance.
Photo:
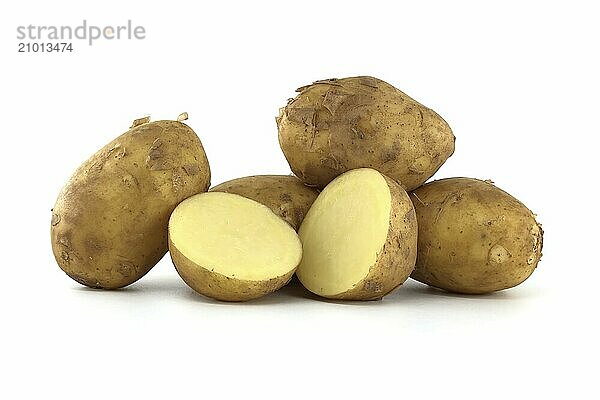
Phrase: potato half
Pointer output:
(231, 248)
(359, 238)
(336, 125)
(285, 195)
(109, 223)
(474, 237)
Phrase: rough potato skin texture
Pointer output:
(336, 125)
(109, 224)
(473, 237)
(397, 258)
(285, 195)
(221, 287)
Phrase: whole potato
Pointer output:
(285, 195)
(473, 237)
(109, 224)
(336, 125)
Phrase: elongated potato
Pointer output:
(336, 125)
(359, 238)
(285, 195)
(231, 248)
(109, 224)
(473, 237)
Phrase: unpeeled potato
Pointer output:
(473, 237)
(109, 224)
(336, 125)
(285, 195)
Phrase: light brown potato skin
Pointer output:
(109, 224)
(473, 237)
(221, 287)
(336, 125)
(397, 259)
(285, 195)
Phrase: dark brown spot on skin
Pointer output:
(388, 156)
(154, 154)
(191, 169)
(285, 197)
(283, 213)
(155, 159)
(357, 134)
(156, 144)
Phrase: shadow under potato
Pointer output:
(294, 292)
(414, 289)
(169, 285)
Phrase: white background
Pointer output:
(518, 83)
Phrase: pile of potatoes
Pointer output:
(354, 223)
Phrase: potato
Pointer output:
(231, 248)
(109, 224)
(285, 195)
(336, 125)
(359, 238)
(473, 237)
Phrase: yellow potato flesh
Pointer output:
(234, 236)
(344, 231)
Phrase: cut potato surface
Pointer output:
(232, 248)
(359, 238)
(346, 230)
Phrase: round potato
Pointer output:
(336, 125)
(109, 224)
(231, 248)
(473, 237)
(359, 238)
(285, 195)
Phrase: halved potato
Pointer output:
(359, 238)
(231, 248)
